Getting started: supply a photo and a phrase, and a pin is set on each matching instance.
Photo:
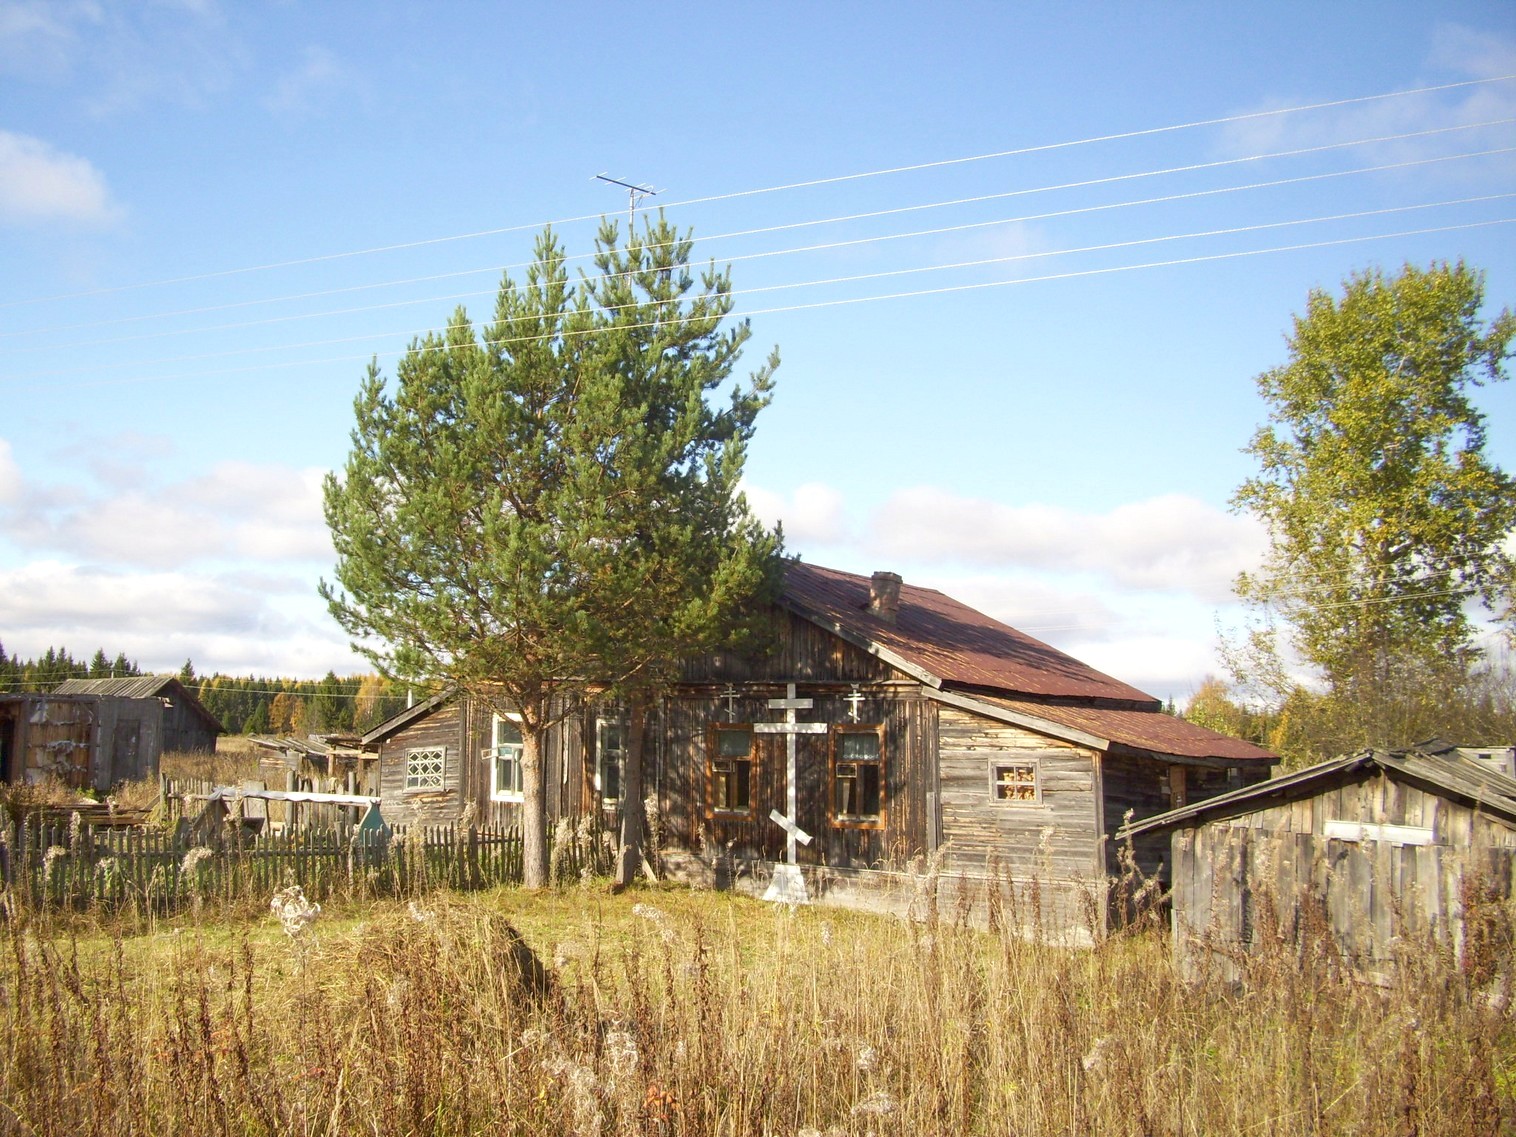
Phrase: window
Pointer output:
(425, 767)
(858, 776)
(1014, 782)
(610, 756)
(504, 757)
(731, 770)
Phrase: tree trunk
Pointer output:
(632, 826)
(534, 848)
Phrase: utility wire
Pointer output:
(766, 254)
(807, 184)
(746, 314)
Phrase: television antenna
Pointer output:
(634, 195)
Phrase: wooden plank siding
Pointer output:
(683, 783)
(1056, 836)
(1277, 869)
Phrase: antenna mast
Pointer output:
(634, 196)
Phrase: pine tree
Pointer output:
(521, 513)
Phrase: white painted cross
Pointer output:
(788, 884)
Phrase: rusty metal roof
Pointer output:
(1150, 730)
(949, 645)
(951, 641)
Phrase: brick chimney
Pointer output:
(884, 596)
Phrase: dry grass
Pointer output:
(663, 1012)
(235, 760)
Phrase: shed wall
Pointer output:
(1274, 872)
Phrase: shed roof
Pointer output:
(140, 687)
(1450, 775)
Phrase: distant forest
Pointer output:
(245, 704)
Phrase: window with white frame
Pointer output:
(425, 768)
(731, 770)
(610, 759)
(504, 757)
(858, 776)
(1014, 782)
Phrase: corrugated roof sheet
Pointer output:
(966, 649)
(950, 640)
(140, 687)
(128, 687)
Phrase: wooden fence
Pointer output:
(76, 865)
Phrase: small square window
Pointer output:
(426, 768)
(1015, 782)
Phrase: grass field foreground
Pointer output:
(664, 1011)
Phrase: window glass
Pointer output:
(857, 777)
(425, 768)
(732, 772)
(1013, 781)
(609, 760)
(505, 760)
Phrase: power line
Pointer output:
(1235, 230)
(839, 219)
(807, 184)
(744, 314)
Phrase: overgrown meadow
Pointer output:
(665, 1011)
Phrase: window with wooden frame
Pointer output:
(610, 759)
(504, 757)
(426, 768)
(1015, 783)
(858, 776)
(730, 771)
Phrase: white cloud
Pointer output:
(41, 183)
(814, 514)
(160, 619)
(10, 475)
(319, 76)
(1455, 54)
(253, 512)
(1172, 543)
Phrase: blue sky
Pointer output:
(1022, 263)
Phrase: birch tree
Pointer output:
(1387, 520)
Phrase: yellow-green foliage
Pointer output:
(664, 1012)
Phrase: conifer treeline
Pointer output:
(244, 704)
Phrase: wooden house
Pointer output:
(92, 734)
(1366, 853)
(918, 726)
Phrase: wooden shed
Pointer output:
(164, 709)
(918, 725)
(1369, 852)
(86, 739)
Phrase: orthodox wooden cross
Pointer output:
(854, 699)
(788, 884)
